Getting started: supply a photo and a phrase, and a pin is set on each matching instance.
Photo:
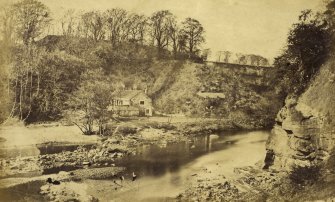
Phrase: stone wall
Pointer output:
(304, 132)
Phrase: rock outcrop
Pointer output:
(304, 132)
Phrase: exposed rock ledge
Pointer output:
(305, 127)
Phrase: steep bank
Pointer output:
(239, 93)
(304, 132)
(224, 91)
(300, 153)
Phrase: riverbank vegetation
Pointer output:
(309, 44)
(48, 77)
(44, 75)
(306, 63)
(69, 78)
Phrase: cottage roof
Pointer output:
(211, 95)
(126, 94)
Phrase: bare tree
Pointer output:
(69, 23)
(138, 25)
(218, 56)
(194, 33)
(264, 62)
(31, 18)
(242, 59)
(7, 26)
(226, 55)
(117, 20)
(255, 60)
(160, 23)
(7, 35)
(174, 34)
(92, 98)
(24, 21)
(142, 27)
(182, 41)
(94, 25)
(206, 53)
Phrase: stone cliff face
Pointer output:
(304, 132)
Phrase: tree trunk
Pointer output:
(20, 98)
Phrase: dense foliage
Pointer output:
(43, 76)
(308, 46)
(305, 175)
(92, 97)
(248, 97)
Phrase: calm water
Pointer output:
(164, 170)
(156, 160)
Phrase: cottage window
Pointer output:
(141, 102)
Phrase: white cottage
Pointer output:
(131, 103)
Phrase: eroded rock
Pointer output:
(304, 131)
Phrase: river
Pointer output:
(163, 171)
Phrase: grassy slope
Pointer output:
(180, 86)
(248, 104)
(172, 84)
(320, 95)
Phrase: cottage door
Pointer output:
(142, 112)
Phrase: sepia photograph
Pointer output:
(167, 100)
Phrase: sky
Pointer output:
(241, 26)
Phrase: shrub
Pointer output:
(330, 164)
(126, 130)
(164, 126)
(305, 175)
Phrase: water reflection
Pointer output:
(164, 173)
(156, 160)
(53, 148)
(27, 192)
(164, 170)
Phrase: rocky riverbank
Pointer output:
(300, 153)
(122, 143)
(255, 184)
(103, 154)
(64, 186)
(304, 133)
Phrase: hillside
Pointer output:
(215, 91)
(174, 85)
(300, 159)
(179, 92)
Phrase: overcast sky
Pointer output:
(246, 26)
